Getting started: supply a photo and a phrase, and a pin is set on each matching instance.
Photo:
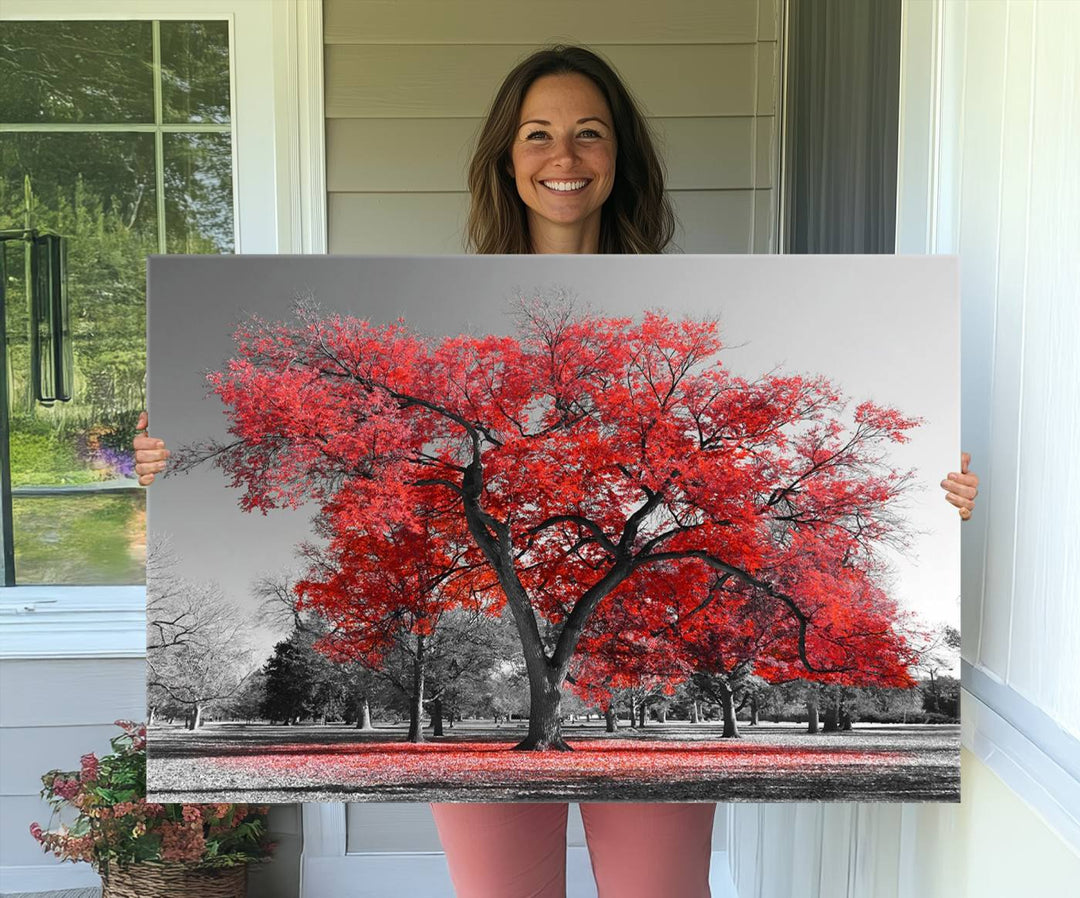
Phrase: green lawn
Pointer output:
(80, 539)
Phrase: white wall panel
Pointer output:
(1013, 186)
(387, 826)
(1008, 201)
(1045, 635)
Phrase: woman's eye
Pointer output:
(533, 134)
(589, 132)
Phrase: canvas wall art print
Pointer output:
(589, 528)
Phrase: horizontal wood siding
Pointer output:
(380, 155)
(53, 712)
(408, 83)
(525, 22)
(460, 80)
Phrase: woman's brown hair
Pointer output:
(637, 216)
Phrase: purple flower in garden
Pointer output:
(120, 462)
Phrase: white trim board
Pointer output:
(72, 622)
(1040, 728)
(1049, 788)
(298, 45)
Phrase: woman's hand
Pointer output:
(962, 487)
(150, 453)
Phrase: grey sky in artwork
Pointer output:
(884, 328)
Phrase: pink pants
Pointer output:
(518, 850)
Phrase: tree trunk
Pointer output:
(436, 717)
(545, 716)
(643, 713)
(832, 719)
(196, 721)
(695, 713)
(364, 717)
(753, 710)
(727, 704)
(633, 713)
(611, 719)
(662, 713)
(812, 710)
(416, 703)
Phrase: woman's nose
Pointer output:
(564, 149)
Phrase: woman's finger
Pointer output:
(959, 501)
(961, 489)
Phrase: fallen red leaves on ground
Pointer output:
(487, 763)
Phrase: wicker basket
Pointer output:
(174, 881)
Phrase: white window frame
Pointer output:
(279, 196)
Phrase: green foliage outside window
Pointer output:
(85, 153)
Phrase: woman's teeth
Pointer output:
(564, 186)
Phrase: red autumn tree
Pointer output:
(718, 631)
(577, 455)
(621, 655)
(388, 588)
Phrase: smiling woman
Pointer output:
(561, 117)
(563, 161)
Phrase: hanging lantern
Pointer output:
(51, 360)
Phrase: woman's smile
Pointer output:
(562, 186)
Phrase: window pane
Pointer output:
(81, 539)
(79, 516)
(97, 190)
(76, 72)
(198, 193)
(195, 71)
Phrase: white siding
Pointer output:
(54, 711)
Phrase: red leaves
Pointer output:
(584, 446)
(463, 764)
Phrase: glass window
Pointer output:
(116, 135)
(56, 72)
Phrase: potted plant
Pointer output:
(141, 848)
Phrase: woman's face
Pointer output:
(563, 154)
